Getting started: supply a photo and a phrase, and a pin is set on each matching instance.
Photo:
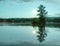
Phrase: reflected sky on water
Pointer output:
(16, 34)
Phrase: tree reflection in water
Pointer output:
(41, 34)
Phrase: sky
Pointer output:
(28, 8)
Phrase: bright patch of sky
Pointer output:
(24, 8)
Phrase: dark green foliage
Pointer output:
(1, 20)
(35, 21)
(41, 23)
(53, 19)
(42, 14)
(18, 20)
(42, 11)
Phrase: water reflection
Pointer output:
(41, 24)
(41, 34)
(41, 29)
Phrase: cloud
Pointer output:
(53, 1)
(22, 0)
(2, 0)
(30, 0)
(58, 14)
(56, 0)
(25, 0)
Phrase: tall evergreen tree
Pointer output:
(42, 14)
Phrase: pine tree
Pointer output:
(42, 14)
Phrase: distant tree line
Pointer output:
(53, 19)
(33, 20)
(18, 20)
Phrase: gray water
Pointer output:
(25, 35)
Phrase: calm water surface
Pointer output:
(19, 34)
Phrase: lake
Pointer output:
(27, 35)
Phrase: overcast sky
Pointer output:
(24, 8)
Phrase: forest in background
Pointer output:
(22, 20)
